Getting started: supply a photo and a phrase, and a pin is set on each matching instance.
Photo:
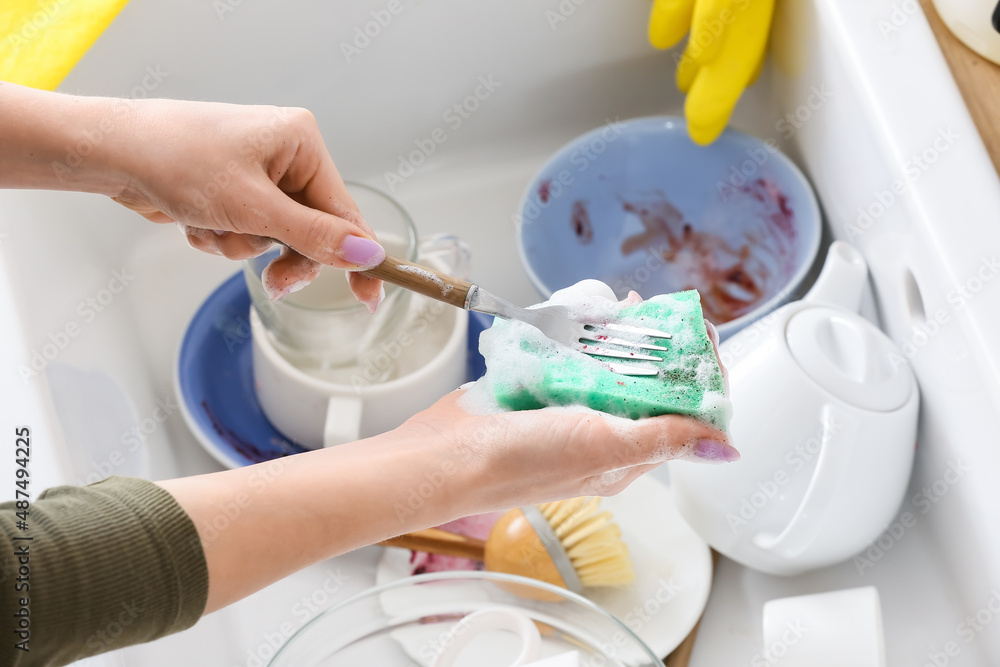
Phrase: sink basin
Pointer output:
(872, 117)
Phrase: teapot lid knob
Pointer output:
(850, 358)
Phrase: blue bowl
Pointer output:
(641, 207)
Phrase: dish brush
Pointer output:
(567, 543)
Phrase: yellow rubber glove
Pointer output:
(724, 54)
(41, 40)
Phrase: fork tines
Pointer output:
(594, 340)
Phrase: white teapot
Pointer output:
(825, 418)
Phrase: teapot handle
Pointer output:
(842, 280)
(840, 432)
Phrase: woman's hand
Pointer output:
(442, 464)
(235, 177)
(534, 456)
(238, 177)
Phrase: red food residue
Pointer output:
(581, 222)
(544, 190)
(241, 445)
(732, 278)
(477, 526)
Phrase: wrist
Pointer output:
(101, 146)
(437, 480)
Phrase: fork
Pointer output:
(612, 343)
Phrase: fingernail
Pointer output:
(275, 292)
(715, 451)
(373, 304)
(365, 253)
(713, 333)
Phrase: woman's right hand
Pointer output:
(238, 177)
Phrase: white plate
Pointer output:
(673, 567)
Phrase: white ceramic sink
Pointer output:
(858, 106)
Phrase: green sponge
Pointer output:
(526, 370)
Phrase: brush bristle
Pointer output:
(592, 541)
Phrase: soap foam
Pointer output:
(426, 275)
(517, 356)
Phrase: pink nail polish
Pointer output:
(713, 451)
(364, 253)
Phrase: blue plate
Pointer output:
(215, 383)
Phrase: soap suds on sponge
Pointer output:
(526, 370)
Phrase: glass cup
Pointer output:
(323, 329)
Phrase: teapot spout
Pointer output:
(842, 280)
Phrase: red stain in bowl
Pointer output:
(580, 219)
(732, 278)
(545, 190)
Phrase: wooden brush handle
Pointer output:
(422, 280)
(441, 542)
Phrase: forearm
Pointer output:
(63, 142)
(264, 522)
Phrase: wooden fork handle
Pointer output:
(441, 542)
(423, 280)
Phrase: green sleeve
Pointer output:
(111, 564)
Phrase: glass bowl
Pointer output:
(404, 622)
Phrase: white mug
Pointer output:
(499, 618)
(487, 620)
(319, 413)
(825, 418)
(835, 629)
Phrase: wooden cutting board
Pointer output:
(977, 78)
